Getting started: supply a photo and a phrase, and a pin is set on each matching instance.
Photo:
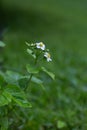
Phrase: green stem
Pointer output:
(28, 82)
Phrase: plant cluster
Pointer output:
(14, 87)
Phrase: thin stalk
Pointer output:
(28, 82)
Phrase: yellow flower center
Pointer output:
(48, 55)
(41, 44)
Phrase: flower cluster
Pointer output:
(41, 46)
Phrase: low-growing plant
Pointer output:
(14, 86)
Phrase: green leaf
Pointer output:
(61, 124)
(14, 93)
(5, 97)
(27, 44)
(23, 81)
(36, 80)
(2, 44)
(18, 96)
(11, 77)
(47, 72)
(30, 52)
(32, 70)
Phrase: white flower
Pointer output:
(47, 55)
(40, 45)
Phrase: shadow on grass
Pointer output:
(33, 21)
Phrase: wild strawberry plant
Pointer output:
(14, 87)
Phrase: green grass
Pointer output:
(62, 25)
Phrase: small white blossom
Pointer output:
(47, 55)
(40, 45)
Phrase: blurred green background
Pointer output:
(56, 22)
(62, 26)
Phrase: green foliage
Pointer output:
(11, 92)
(18, 96)
(49, 73)
(32, 70)
(30, 52)
(4, 123)
(61, 124)
(13, 88)
(11, 77)
(5, 98)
